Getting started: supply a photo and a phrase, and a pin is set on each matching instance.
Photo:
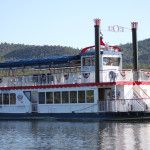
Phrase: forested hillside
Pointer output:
(143, 53)
(21, 51)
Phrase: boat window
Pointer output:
(81, 96)
(90, 96)
(93, 61)
(65, 97)
(12, 98)
(0, 99)
(86, 61)
(6, 98)
(56, 97)
(73, 96)
(111, 61)
(49, 97)
(41, 97)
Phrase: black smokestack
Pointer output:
(97, 48)
(135, 45)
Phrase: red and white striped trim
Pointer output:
(73, 85)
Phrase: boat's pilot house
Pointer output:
(110, 62)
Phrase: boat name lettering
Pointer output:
(115, 28)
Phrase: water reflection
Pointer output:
(74, 135)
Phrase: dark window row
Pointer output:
(7, 98)
(66, 97)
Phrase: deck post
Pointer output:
(16, 78)
(23, 81)
(97, 49)
(115, 99)
(9, 81)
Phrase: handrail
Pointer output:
(143, 69)
(142, 90)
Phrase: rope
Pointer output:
(85, 108)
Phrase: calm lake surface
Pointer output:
(30, 135)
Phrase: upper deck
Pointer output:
(74, 78)
(75, 69)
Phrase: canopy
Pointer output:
(39, 61)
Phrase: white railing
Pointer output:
(74, 78)
(127, 105)
(143, 75)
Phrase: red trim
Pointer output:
(125, 83)
(97, 22)
(101, 43)
(56, 86)
(84, 50)
(132, 83)
(134, 25)
(143, 83)
(74, 85)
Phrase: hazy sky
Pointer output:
(70, 22)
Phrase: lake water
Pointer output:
(30, 135)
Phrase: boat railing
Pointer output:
(143, 75)
(124, 105)
(75, 78)
(116, 75)
(5, 108)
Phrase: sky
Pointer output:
(70, 22)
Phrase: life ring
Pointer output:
(43, 77)
(86, 75)
(1, 80)
(148, 74)
(112, 76)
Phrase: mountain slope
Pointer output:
(40, 51)
(143, 54)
